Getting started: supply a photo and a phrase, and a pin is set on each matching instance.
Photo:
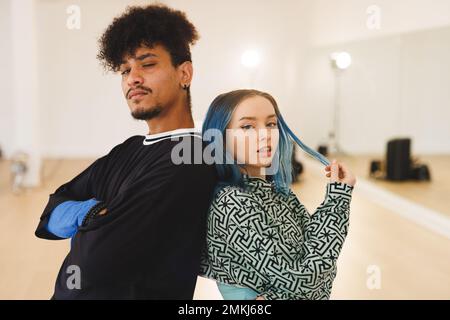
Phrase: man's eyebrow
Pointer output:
(141, 57)
(253, 118)
(145, 56)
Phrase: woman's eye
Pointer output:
(272, 125)
(149, 65)
(247, 127)
(125, 72)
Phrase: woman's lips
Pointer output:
(265, 151)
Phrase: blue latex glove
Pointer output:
(68, 216)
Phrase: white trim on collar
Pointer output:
(154, 138)
(171, 133)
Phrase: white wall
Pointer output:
(398, 83)
(25, 81)
(342, 21)
(227, 29)
(83, 113)
(19, 107)
(6, 109)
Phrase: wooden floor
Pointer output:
(429, 194)
(413, 262)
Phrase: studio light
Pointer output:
(341, 60)
(251, 59)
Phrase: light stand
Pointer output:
(340, 61)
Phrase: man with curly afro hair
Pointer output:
(137, 217)
(150, 48)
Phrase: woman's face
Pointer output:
(252, 135)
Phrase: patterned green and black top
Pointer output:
(266, 241)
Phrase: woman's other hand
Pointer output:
(338, 172)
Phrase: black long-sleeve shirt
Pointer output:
(148, 244)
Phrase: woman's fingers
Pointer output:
(344, 168)
(334, 174)
(328, 168)
(339, 172)
(349, 177)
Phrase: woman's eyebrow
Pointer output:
(254, 118)
(247, 118)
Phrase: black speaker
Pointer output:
(420, 172)
(323, 150)
(398, 159)
(297, 167)
(375, 166)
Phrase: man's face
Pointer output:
(150, 82)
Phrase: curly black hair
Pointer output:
(151, 25)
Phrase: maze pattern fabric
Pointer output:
(263, 240)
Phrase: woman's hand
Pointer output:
(338, 172)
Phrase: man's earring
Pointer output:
(186, 86)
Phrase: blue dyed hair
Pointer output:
(219, 116)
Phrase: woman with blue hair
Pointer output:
(261, 241)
